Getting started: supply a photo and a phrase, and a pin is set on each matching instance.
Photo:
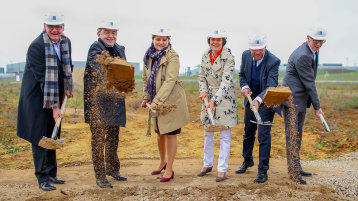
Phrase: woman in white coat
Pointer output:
(216, 84)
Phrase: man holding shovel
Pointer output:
(258, 72)
(47, 79)
(300, 76)
(104, 110)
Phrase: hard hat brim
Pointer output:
(318, 38)
(110, 28)
(257, 47)
(54, 23)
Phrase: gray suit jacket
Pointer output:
(300, 76)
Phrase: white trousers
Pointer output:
(225, 142)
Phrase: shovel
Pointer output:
(154, 112)
(257, 115)
(213, 127)
(52, 143)
(324, 123)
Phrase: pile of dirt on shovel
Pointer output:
(119, 72)
(164, 109)
(276, 95)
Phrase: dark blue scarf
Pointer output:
(156, 56)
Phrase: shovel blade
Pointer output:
(49, 143)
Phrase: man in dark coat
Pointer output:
(104, 110)
(258, 72)
(47, 78)
(300, 76)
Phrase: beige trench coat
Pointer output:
(218, 81)
(169, 90)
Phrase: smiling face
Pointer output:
(315, 44)
(109, 36)
(258, 54)
(54, 32)
(160, 42)
(216, 44)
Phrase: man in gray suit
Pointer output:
(300, 76)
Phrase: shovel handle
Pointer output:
(324, 123)
(153, 111)
(58, 121)
(209, 112)
(257, 115)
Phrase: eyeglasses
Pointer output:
(52, 27)
(318, 41)
(112, 32)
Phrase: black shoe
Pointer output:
(244, 166)
(299, 180)
(305, 174)
(46, 186)
(57, 180)
(220, 179)
(261, 178)
(201, 174)
(117, 176)
(103, 183)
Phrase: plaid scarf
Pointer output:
(51, 90)
(156, 56)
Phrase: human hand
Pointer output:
(56, 113)
(246, 92)
(256, 104)
(318, 112)
(204, 96)
(144, 103)
(152, 106)
(211, 106)
(68, 94)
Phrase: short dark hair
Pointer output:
(224, 41)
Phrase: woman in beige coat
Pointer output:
(216, 84)
(162, 85)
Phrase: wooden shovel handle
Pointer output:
(324, 123)
(209, 112)
(58, 121)
(257, 115)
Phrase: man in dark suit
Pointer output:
(300, 76)
(258, 72)
(104, 110)
(47, 79)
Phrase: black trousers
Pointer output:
(104, 136)
(45, 159)
(293, 131)
(264, 136)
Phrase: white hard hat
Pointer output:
(318, 33)
(161, 32)
(257, 42)
(108, 24)
(54, 18)
(217, 34)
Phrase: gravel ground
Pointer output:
(345, 177)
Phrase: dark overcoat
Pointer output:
(33, 121)
(102, 107)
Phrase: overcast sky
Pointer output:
(285, 23)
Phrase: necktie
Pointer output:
(254, 64)
(316, 60)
